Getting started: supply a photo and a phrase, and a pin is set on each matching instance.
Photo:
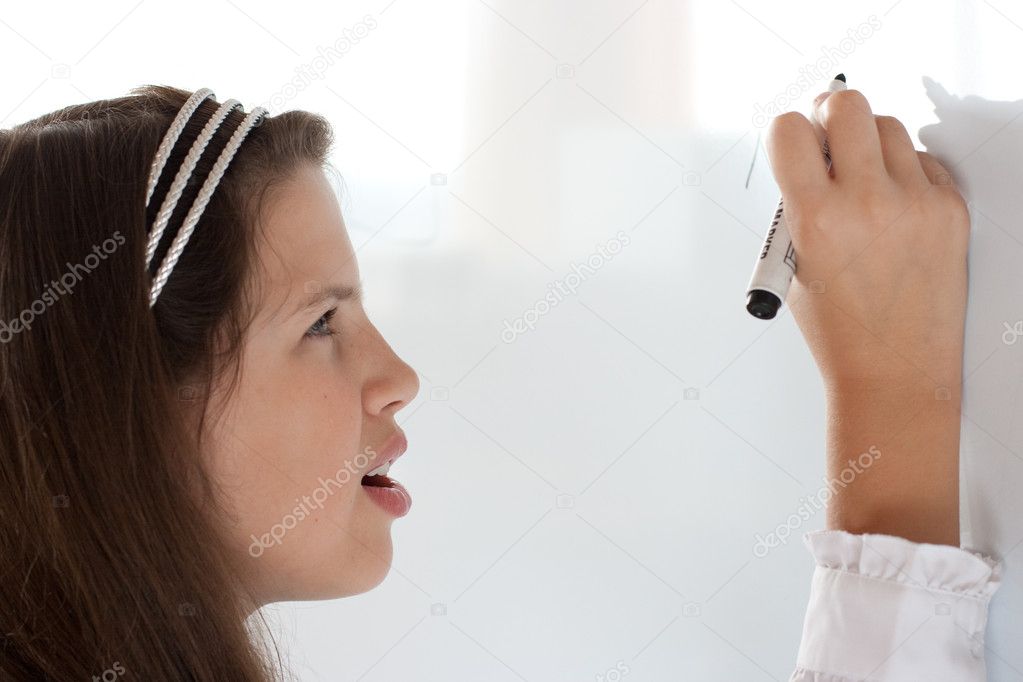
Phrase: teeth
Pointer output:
(381, 470)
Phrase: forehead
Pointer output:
(303, 244)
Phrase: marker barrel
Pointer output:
(772, 274)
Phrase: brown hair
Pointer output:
(111, 554)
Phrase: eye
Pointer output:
(322, 326)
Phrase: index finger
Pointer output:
(795, 155)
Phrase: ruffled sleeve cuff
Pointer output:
(884, 608)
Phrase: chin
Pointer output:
(351, 564)
(355, 569)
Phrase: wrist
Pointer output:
(887, 367)
(861, 393)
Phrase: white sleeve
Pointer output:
(885, 609)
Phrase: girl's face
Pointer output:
(312, 413)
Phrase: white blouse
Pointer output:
(884, 609)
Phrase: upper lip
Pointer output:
(392, 448)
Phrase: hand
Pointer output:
(881, 244)
(880, 297)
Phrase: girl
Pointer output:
(152, 435)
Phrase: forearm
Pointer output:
(910, 489)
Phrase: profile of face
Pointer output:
(312, 413)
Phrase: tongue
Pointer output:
(378, 481)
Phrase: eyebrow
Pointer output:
(336, 291)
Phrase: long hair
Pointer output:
(112, 560)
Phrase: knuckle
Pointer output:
(954, 201)
(785, 127)
(782, 123)
(946, 206)
(806, 218)
(873, 203)
(890, 125)
(808, 206)
(845, 103)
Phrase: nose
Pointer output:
(393, 383)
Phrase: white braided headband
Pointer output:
(184, 173)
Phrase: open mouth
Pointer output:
(378, 477)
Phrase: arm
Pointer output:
(911, 490)
(880, 297)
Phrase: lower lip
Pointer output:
(394, 500)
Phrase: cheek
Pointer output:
(284, 457)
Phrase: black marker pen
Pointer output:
(776, 264)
